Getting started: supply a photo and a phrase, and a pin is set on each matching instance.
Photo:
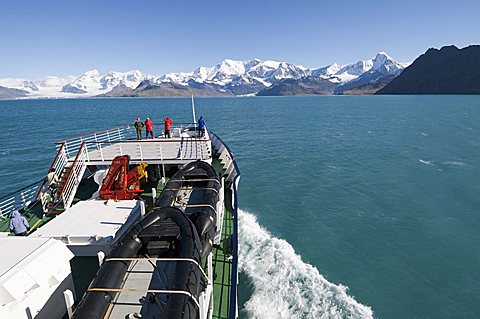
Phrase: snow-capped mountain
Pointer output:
(326, 72)
(232, 72)
(92, 82)
(342, 74)
(362, 76)
(229, 77)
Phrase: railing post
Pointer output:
(22, 194)
(142, 209)
(181, 149)
(120, 148)
(66, 149)
(100, 257)
(69, 302)
(108, 137)
(119, 134)
(87, 155)
(154, 195)
(163, 164)
(141, 151)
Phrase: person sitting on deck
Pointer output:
(138, 125)
(52, 181)
(18, 224)
(149, 126)
(168, 123)
(201, 126)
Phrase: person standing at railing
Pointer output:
(18, 224)
(138, 125)
(168, 124)
(201, 126)
(149, 127)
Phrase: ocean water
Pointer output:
(351, 207)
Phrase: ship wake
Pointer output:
(283, 285)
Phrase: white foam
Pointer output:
(454, 163)
(283, 285)
(424, 134)
(425, 162)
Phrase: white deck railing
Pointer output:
(18, 199)
(74, 177)
(225, 157)
(185, 148)
(59, 163)
(72, 145)
(117, 140)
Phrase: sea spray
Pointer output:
(283, 285)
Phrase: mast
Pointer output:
(193, 111)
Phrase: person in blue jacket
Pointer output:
(201, 126)
(18, 224)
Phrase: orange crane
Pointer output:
(119, 184)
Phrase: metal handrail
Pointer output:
(158, 291)
(160, 259)
(124, 126)
(72, 145)
(121, 127)
(18, 199)
(61, 151)
(77, 167)
(196, 149)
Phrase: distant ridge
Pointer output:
(309, 85)
(7, 93)
(449, 70)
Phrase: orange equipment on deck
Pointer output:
(118, 184)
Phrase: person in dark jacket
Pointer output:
(168, 124)
(138, 125)
(18, 224)
(201, 126)
(149, 127)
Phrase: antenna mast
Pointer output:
(193, 111)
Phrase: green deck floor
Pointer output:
(34, 216)
(222, 269)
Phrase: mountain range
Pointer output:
(227, 78)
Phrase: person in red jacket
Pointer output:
(149, 127)
(168, 123)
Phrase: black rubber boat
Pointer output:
(201, 207)
(183, 232)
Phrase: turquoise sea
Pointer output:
(351, 207)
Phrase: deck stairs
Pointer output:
(63, 178)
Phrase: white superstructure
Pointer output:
(34, 272)
(93, 225)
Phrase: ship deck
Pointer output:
(92, 150)
(177, 150)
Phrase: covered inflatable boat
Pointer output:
(155, 270)
(196, 189)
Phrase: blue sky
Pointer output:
(62, 38)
